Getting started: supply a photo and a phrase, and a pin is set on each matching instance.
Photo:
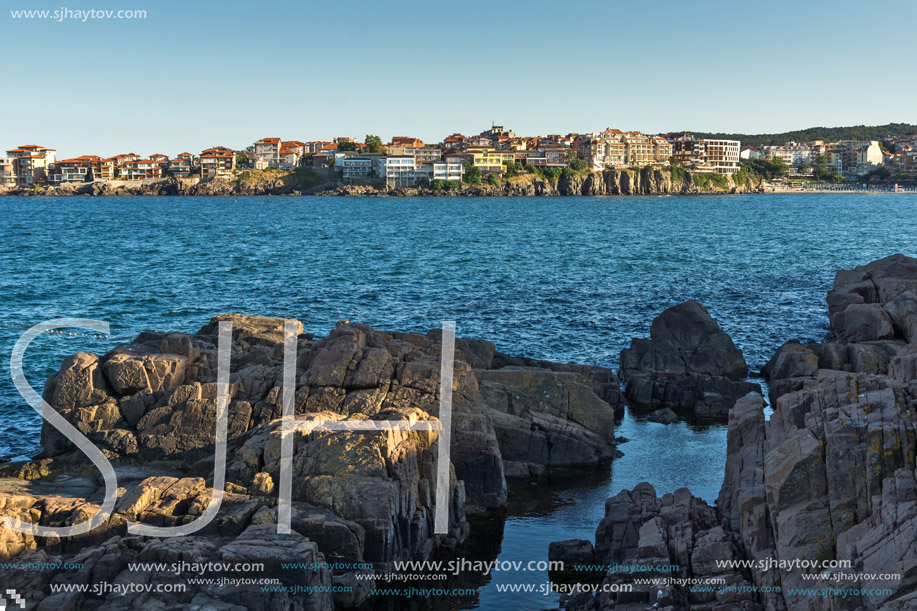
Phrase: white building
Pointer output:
(868, 157)
(442, 170)
(400, 171)
(722, 155)
(792, 154)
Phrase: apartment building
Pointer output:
(490, 160)
(868, 156)
(217, 161)
(791, 153)
(706, 155)
(7, 172)
(605, 151)
(427, 154)
(638, 149)
(686, 150)
(140, 169)
(358, 170)
(852, 157)
(85, 168)
(548, 157)
(396, 171)
(30, 163)
(722, 156)
(442, 170)
(662, 149)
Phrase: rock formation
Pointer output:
(828, 478)
(643, 181)
(361, 498)
(688, 363)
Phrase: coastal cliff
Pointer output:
(645, 181)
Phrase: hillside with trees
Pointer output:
(828, 134)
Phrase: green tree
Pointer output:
(374, 143)
(492, 180)
(472, 173)
(575, 163)
(347, 146)
(804, 168)
(242, 159)
(820, 170)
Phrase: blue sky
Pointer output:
(193, 75)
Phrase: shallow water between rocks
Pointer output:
(565, 279)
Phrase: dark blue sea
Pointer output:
(566, 279)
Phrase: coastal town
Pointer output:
(491, 155)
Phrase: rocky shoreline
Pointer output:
(830, 476)
(646, 181)
(359, 499)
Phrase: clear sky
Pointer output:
(195, 74)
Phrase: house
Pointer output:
(399, 150)
(496, 132)
(478, 142)
(30, 163)
(289, 156)
(455, 141)
(266, 153)
(407, 141)
(750, 152)
(300, 148)
(310, 148)
(217, 161)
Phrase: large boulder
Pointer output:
(688, 362)
(875, 301)
(873, 317)
(546, 418)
